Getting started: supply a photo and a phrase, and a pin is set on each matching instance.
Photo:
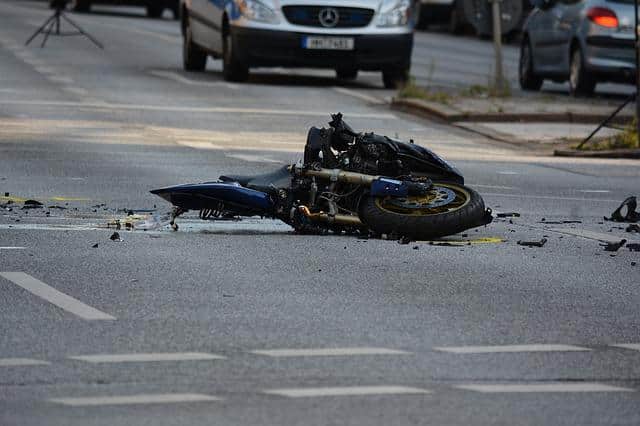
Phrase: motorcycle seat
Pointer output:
(267, 182)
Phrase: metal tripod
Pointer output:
(52, 27)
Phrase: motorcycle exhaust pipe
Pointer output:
(337, 175)
(340, 219)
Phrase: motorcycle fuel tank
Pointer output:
(208, 195)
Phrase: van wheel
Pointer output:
(395, 78)
(193, 57)
(347, 73)
(233, 69)
(80, 5)
(527, 77)
(581, 82)
(155, 9)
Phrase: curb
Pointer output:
(618, 153)
(443, 112)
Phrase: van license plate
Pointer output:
(328, 43)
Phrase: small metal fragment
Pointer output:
(540, 243)
(510, 214)
(613, 246)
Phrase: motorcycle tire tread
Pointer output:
(425, 227)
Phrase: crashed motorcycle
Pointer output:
(349, 182)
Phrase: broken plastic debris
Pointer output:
(32, 204)
(633, 228)
(115, 237)
(540, 243)
(626, 212)
(633, 247)
(509, 214)
(610, 246)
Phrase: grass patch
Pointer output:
(412, 90)
(626, 139)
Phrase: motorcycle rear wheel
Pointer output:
(447, 209)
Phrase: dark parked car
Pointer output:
(582, 41)
(154, 7)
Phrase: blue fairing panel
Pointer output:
(208, 195)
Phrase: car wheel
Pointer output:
(193, 57)
(347, 73)
(456, 19)
(155, 9)
(394, 78)
(581, 83)
(527, 77)
(80, 5)
(233, 69)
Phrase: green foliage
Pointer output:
(626, 139)
(412, 90)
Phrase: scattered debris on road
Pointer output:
(613, 246)
(540, 243)
(115, 237)
(95, 245)
(32, 204)
(633, 247)
(626, 212)
(510, 214)
(633, 228)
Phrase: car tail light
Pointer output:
(603, 17)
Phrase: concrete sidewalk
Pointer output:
(544, 120)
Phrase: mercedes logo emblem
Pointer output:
(329, 17)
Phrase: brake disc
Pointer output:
(438, 197)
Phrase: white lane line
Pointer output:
(165, 398)
(45, 70)
(12, 248)
(61, 79)
(550, 197)
(594, 191)
(17, 362)
(493, 186)
(345, 391)
(589, 235)
(328, 352)
(544, 387)
(510, 348)
(147, 357)
(252, 158)
(169, 108)
(53, 296)
(633, 346)
(181, 79)
(358, 95)
(508, 172)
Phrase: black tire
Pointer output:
(466, 211)
(347, 73)
(420, 13)
(233, 68)
(529, 80)
(81, 5)
(581, 82)
(395, 78)
(155, 9)
(193, 57)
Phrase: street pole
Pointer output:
(637, 77)
(497, 44)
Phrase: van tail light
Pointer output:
(603, 17)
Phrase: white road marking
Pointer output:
(169, 108)
(346, 391)
(594, 191)
(12, 248)
(508, 172)
(493, 186)
(358, 95)
(181, 79)
(165, 398)
(543, 387)
(252, 158)
(147, 357)
(589, 235)
(550, 197)
(53, 296)
(45, 70)
(510, 348)
(61, 79)
(633, 346)
(328, 352)
(17, 362)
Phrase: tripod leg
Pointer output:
(607, 120)
(47, 33)
(83, 32)
(39, 30)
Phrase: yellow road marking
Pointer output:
(459, 242)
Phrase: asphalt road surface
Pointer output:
(246, 323)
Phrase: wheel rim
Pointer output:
(442, 198)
